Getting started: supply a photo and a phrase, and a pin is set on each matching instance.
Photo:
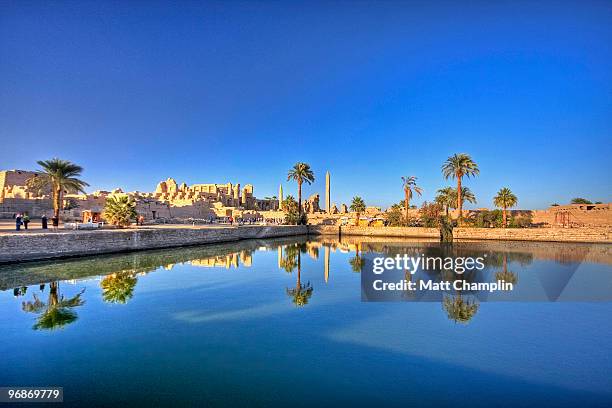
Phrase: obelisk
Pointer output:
(327, 194)
(280, 195)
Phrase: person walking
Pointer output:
(17, 222)
(26, 221)
(43, 221)
(55, 222)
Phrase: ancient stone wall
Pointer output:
(21, 247)
(399, 232)
(601, 234)
(575, 215)
(501, 234)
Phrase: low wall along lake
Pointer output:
(15, 247)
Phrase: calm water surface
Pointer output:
(281, 322)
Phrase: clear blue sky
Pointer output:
(239, 91)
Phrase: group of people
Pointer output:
(24, 219)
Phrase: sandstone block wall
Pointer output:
(537, 234)
(403, 232)
(592, 234)
(22, 247)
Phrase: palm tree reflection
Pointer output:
(118, 287)
(505, 274)
(356, 261)
(301, 293)
(57, 312)
(459, 308)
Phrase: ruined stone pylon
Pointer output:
(327, 193)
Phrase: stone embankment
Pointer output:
(24, 247)
(594, 234)
(15, 247)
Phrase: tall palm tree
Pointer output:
(301, 173)
(60, 176)
(446, 198)
(358, 206)
(409, 183)
(466, 195)
(505, 199)
(456, 167)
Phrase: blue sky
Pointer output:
(239, 91)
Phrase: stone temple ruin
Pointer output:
(172, 201)
(169, 200)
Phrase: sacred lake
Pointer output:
(282, 321)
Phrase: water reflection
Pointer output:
(460, 309)
(57, 312)
(118, 287)
(505, 274)
(120, 273)
(292, 259)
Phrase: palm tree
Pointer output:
(120, 210)
(301, 173)
(505, 199)
(456, 167)
(60, 176)
(446, 198)
(290, 207)
(466, 195)
(409, 184)
(57, 312)
(358, 206)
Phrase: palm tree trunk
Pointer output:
(57, 201)
(300, 198)
(459, 201)
(504, 216)
(406, 202)
(357, 220)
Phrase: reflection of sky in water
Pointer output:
(231, 335)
